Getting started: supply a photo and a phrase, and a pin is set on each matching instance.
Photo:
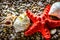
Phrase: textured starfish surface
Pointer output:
(41, 23)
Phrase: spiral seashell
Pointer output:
(21, 23)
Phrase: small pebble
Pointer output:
(53, 31)
(40, 4)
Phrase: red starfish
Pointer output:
(41, 23)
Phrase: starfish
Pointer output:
(41, 23)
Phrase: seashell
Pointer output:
(55, 9)
(7, 23)
(11, 17)
(9, 20)
(21, 23)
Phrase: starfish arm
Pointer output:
(45, 33)
(54, 23)
(32, 29)
(46, 10)
(31, 15)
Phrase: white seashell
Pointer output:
(55, 9)
(53, 31)
(21, 23)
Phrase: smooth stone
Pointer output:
(40, 3)
(53, 31)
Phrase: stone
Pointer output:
(53, 31)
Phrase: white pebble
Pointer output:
(53, 31)
(40, 3)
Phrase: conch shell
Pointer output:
(21, 23)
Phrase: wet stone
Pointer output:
(53, 31)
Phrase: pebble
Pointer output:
(28, 5)
(12, 36)
(53, 31)
(1, 19)
(54, 37)
(0, 30)
(58, 30)
(40, 4)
